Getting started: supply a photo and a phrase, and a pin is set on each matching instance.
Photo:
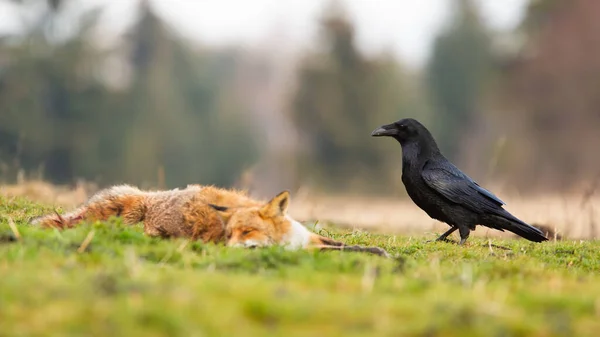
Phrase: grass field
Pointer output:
(105, 279)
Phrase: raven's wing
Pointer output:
(454, 185)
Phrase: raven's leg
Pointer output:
(448, 232)
(464, 234)
(444, 236)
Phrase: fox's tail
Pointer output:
(123, 201)
(522, 229)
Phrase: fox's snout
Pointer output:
(246, 244)
(248, 239)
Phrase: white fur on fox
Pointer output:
(299, 237)
(248, 244)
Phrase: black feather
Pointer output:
(443, 191)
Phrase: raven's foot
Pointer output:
(444, 236)
(464, 235)
(441, 239)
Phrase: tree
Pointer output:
(178, 114)
(184, 118)
(51, 97)
(457, 75)
(552, 88)
(341, 96)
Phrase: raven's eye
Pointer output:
(402, 126)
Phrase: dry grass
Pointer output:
(564, 214)
(46, 193)
(572, 216)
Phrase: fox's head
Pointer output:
(267, 225)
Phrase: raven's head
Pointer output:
(413, 136)
(402, 130)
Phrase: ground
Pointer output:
(105, 279)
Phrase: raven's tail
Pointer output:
(512, 224)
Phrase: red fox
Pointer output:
(204, 213)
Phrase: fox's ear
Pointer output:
(277, 206)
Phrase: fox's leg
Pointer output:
(372, 250)
(115, 201)
(322, 243)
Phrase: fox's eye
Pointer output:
(247, 231)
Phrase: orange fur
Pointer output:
(204, 213)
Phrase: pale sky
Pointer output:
(405, 27)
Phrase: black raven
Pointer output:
(443, 191)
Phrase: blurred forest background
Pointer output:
(158, 110)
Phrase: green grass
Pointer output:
(127, 284)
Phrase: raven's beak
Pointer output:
(385, 130)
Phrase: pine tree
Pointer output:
(457, 75)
